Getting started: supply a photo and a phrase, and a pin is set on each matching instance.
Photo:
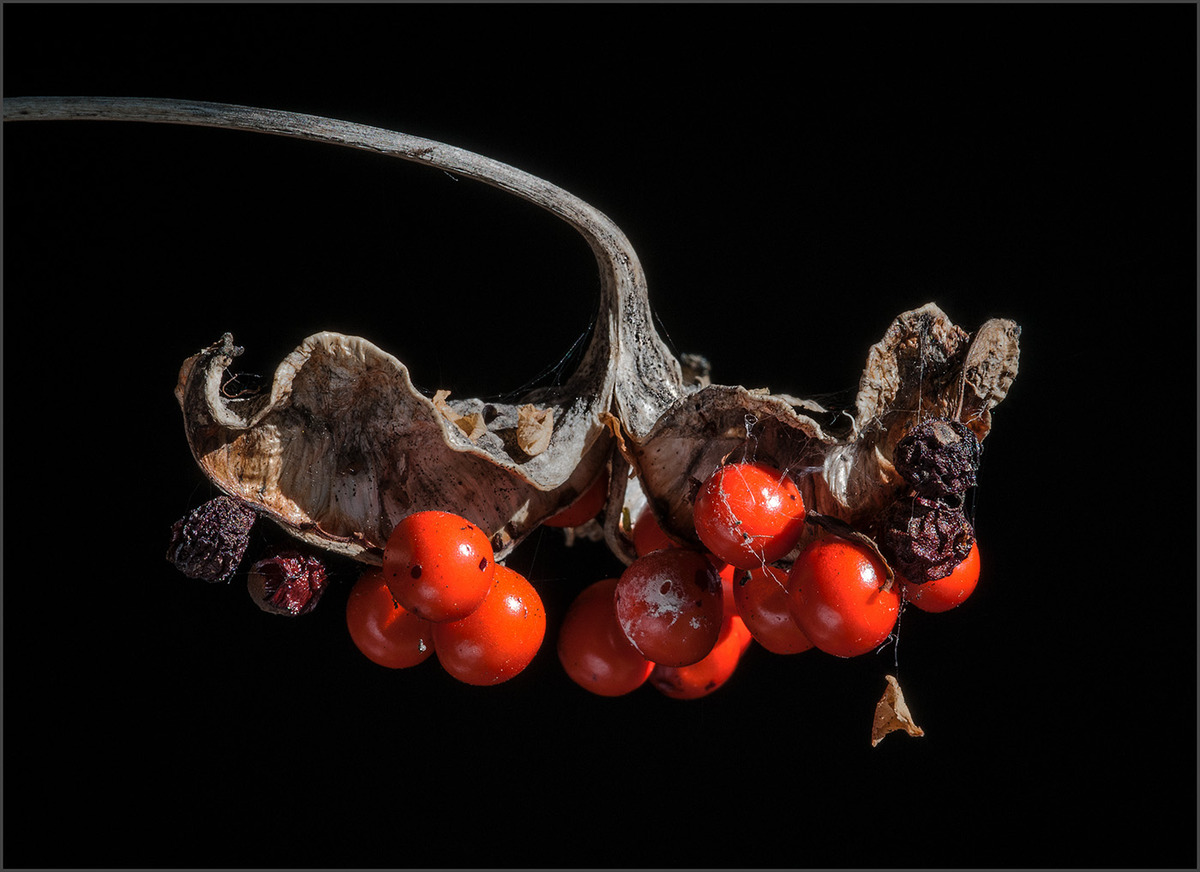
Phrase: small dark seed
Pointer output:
(416, 571)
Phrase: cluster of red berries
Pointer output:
(682, 619)
(440, 590)
(677, 617)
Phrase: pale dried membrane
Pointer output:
(534, 428)
(342, 445)
(891, 713)
(472, 423)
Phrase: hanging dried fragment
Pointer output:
(891, 713)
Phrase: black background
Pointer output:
(792, 177)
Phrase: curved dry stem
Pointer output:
(648, 377)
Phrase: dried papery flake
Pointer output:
(891, 713)
(534, 428)
(289, 583)
(472, 424)
(210, 541)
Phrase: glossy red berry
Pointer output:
(497, 640)
(438, 565)
(594, 650)
(716, 668)
(586, 507)
(761, 598)
(670, 606)
(837, 595)
(648, 534)
(381, 628)
(749, 514)
(944, 594)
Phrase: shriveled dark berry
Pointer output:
(938, 458)
(289, 583)
(925, 538)
(210, 541)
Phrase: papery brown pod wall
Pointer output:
(342, 445)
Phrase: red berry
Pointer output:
(716, 668)
(943, 594)
(438, 565)
(594, 650)
(761, 599)
(669, 605)
(648, 534)
(382, 629)
(837, 597)
(497, 640)
(586, 507)
(749, 514)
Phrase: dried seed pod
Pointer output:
(287, 583)
(210, 541)
(343, 446)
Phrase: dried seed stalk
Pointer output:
(342, 445)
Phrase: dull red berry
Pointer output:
(290, 583)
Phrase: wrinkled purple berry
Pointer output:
(210, 541)
(938, 458)
(924, 538)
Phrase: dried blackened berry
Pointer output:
(210, 541)
(938, 458)
(290, 583)
(924, 538)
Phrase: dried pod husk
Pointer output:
(343, 446)
(924, 367)
(210, 542)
